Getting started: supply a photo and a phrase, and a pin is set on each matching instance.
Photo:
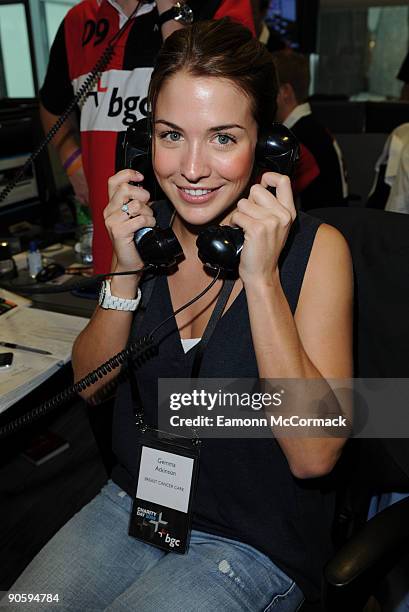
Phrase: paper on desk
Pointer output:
(14, 297)
(27, 372)
(50, 331)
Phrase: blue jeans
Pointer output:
(94, 565)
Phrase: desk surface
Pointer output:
(65, 303)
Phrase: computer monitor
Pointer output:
(296, 21)
(20, 133)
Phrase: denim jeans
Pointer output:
(93, 565)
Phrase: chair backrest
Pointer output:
(379, 243)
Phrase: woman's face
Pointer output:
(204, 141)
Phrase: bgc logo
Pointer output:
(117, 100)
(156, 523)
(173, 542)
(126, 107)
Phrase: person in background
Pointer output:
(320, 177)
(403, 75)
(398, 200)
(89, 143)
(266, 34)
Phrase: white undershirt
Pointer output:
(189, 343)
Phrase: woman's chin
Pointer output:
(204, 214)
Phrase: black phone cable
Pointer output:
(192, 301)
(36, 288)
(138, 352)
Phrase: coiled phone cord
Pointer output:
(139, 351)
(78, 98)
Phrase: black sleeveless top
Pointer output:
(245, 489)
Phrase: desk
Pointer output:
(36, 501)
(65, 303)
(50, 335)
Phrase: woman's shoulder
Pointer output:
(330, 261)
(322, 236)
(329, 241)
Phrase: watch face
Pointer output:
(184, 13)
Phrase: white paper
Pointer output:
(41, 329)
(165, 478)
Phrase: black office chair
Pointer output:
(379, 243)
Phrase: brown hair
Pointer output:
(222, 49)
(293, 68)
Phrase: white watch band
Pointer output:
(111, 302)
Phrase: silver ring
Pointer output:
(125, 209)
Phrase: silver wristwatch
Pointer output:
(111, 302)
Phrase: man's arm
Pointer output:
(67, 144)
(169, 26)
(55, 95)
(238, 10)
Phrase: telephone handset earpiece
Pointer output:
(219, 247)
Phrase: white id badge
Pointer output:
(161, 511)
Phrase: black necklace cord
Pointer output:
(89, 82)
(138, 351)
(192, 301)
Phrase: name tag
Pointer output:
(161, 511)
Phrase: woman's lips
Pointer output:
(196, 195)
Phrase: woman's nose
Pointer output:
(195, 164)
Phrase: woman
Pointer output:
(260, 530)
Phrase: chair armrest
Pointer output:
(352, 575)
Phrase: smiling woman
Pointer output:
(259, 535)
(205, 166)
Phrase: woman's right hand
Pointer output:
(122, 226)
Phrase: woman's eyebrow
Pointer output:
(217, 128)
(168, 123)
(229, 126)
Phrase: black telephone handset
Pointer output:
(219, 246)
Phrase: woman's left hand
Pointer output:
(266, 221)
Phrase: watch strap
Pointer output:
(112, 302)
(166, 16)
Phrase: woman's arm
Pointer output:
(108, 331)
(317, 342)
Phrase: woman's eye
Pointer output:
(171, 136)
(224, 139)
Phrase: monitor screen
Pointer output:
(296, 22)
(20, 133)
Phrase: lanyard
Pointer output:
(211, 326)
(222, 299)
